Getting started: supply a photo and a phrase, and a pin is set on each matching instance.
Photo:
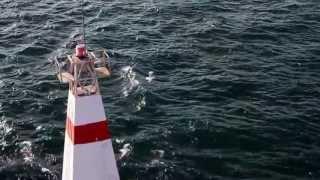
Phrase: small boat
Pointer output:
(99, 59)
(82, 68)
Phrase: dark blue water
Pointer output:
(235, 94)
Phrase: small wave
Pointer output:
(34, 51)
(10, 28)
(2, 84)
(2, 56)
(49, 25)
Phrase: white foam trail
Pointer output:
(119, 141)
(26, 151)
(45, 170)
(129, 76)
(126, 70)
(4, 128)
(141, 104)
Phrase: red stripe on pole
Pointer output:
(88, 133)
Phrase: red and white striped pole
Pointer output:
(88, 152)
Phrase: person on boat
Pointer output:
(81, 51)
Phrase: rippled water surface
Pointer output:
(234, 93)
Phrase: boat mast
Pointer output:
(83, 24)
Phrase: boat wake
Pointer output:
(132, 89)
(130, 83)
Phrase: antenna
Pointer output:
(83, 25)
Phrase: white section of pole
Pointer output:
(93, 160)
